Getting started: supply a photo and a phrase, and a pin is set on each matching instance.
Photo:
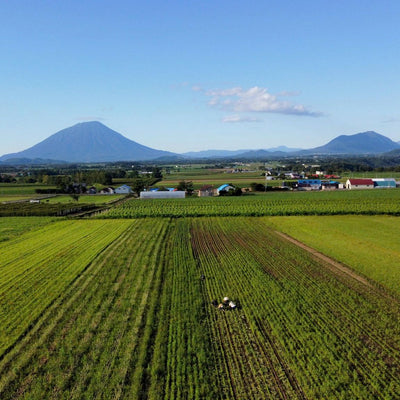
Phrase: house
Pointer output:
(309, 184)
(292, 175)
(124, 189)
(109, 190)
(175, 194)
(359, 184)
(384, 183)
(206, 191)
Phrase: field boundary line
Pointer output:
(332, 264)
(340, 268)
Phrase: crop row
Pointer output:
(131, 325)
(38, 266)
(262, 205)
(369, 244)
(91, 341)
(328, 337)
(26, 209)
(250, 364)
(131, 318)
(11, 227)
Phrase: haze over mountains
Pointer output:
(95, 142)
(233, 153)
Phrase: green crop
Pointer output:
(292, 203)
(121, 309)
(368, 244)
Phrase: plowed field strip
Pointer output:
(318, 325)
(190, 372)
(247, 355)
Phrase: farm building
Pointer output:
(109, 190)
(359, 184)
(292, 175)
(206, 191)
(177, 194)
(162, 190)
(225, 188)
(384, 182)
(124, 189)
(309, 184)
(330, 185)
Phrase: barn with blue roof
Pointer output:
(225, 188)
(309, 184)
(382, 183)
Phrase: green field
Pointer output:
(367, 202)
(371, 246)
(117, 309)
(216, 178)
(85, 199)
(15, 197)
(11, 227)
(39, 265)
(26, 209)
(7, 189)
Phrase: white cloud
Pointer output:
(197, 88)
(237, 118)
(256, 99)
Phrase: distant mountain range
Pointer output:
(233, 153)
(361, 143)
(95, 142)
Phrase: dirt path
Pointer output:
(331, 264)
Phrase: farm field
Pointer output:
(281, 203)
(370, 245)
(37, 266)
(374, 174)
(118, 309)
(26, 209)
(10, 189)
(86, 199)
(242, 179)
(11, 227)
(9, 198)
(200, 177)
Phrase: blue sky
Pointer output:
(184, 76)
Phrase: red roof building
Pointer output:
(359, 184)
